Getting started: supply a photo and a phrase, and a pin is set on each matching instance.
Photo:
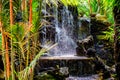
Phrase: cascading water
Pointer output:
(66, 44)
(61, 27)
(64, 32)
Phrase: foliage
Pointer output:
(108, 35)
(94, 4)
(24, 74)
(25, 39)
(83, 7)
(116, 3)
(19, 35)
(103, 7)
(37, 7)
(70, 2)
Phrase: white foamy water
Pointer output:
(64, 36)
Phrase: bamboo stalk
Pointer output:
(4, 47)
(12, 53)
(30, 13)
(11, 13)
(30, 24)
(7, 59)
(3, 42)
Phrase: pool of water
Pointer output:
(92, 77)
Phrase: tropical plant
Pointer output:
(108, 35)
(19, 38)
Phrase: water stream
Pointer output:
(60, 27)
(64, 31)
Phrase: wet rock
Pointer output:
(47, 33)
(105, 51)
(100, 66)
(104, 48)
(53, 73)
(91, 52)
(44, 76)
(64, 71)
(97, 27)
(83, 45)
(84, 30)
(118, 70)
(106, 74)
(75, 66)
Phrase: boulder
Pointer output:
(83, 45)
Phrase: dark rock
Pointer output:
(91, 52)
(97, 27)
(18, 17)
(47, 32)
(44, 76)
(84, 30)
(56, 73)
(75, 66)
(83, 45)
(105, 51)
(99, 64)
(106, 74)
(47, 69)
(118, 70)
(80, 51)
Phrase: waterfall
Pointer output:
(62, 31)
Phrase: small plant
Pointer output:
(108, 35)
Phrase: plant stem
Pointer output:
(5, 47)
(12, 53)
(11, 13)
(30, 13)
(23, 5)
(30, 24)
(90, 7)
(3, 41)
(7, 59)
